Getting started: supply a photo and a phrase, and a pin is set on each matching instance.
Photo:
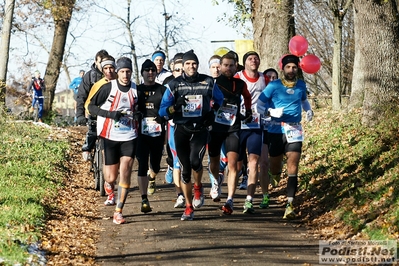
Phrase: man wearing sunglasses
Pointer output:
(151, 132)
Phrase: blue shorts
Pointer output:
(172, 145)
(251, 141)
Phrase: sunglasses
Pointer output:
(149, 69)
(178, 70)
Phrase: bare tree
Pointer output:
(62, 14)
(5, 46)
(375, 79)
(128, 27)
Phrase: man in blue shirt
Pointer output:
(74, 86)
(283, 99)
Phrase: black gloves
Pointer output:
(208, 118)
(181, 101)
(159, 120)
(115, 115)
(247, 118)
(138, 116)
(81, 120)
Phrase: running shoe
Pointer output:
(145, 206)
(110, 201)
(118, 218)
(216, 189)
(275, 179)
(244, 183)
(151, 186)
(198, 199)
(169, 175)
(188, 214)
(248, 207)
(289, 212)
(180, 202)
(31, 109)
(109, 188)
(265, 202)
(86, 156)
(227, 208)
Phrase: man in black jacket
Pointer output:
(91, 77)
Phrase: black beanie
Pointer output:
(244, 58)
(290, 58)
(148, 64)
(190, 56)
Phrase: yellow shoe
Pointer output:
(289, 212)
(151, 186)
(31, 109)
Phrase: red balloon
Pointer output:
(298, 45)
(310, 64)
(280, 61)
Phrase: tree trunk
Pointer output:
(274, 25)
(4, 47)
(375, 71)
(336, 74)
(62, 13)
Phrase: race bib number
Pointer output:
(124, 124)
(193, 107)
(293, 132)
(226, 115)
(255, 123)
(266, 122)
(150, 127)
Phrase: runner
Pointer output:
(227, 125)
(152, 131)
(287, 97)
(251, 133)
(188, 99)
(114, 105)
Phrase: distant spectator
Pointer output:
(37, 87)
(74, 86)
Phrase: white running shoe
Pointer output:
(198, 199)
(110, 200)
(180, 202)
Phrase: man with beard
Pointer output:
(283, 100)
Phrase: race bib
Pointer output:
(293, 132)
(150, 127)
(255, 123)
(226, 115)
(266, 122)
(124, 124)
(193, 107)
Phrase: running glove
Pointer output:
(309, 115)
(278, 112)
(115, 115)
(247, 118)
(209, 118)
(181, 101)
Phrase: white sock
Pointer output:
(290, 199)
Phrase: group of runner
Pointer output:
(240, 115)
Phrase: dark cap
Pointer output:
(290, 58)
(246, 55)
(190, 56)
(124, 62)
(148, 64)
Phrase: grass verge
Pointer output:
(31, 171)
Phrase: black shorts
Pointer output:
(278, 145)
(231, 142)
(114, 150)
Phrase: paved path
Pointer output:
(161, 238)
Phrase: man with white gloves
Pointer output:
(283, 100)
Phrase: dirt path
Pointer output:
(161, 238)
(81, 232)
